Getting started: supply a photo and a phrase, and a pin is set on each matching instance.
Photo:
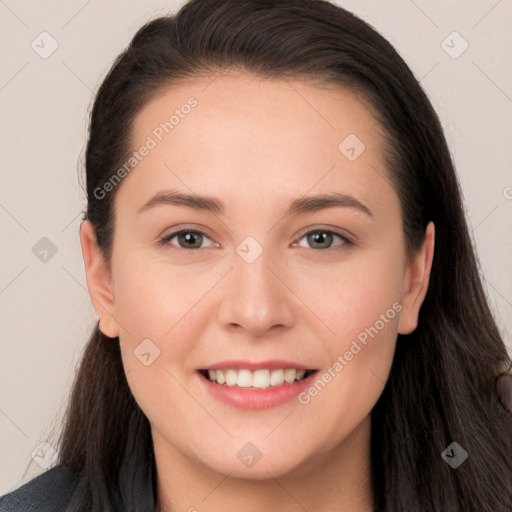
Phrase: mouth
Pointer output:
(263, 378)
(250, 385)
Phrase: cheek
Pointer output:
(351, 296)
(360, 303)
(157, 306)
(153, 298)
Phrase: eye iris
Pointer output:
(320, 236)
(189, 237)
(317, 237)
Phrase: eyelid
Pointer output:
(328, 229)
(347, 240)
(166, 239)
(180, 228)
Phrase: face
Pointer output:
(259, 282)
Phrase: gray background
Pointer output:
(46, 315)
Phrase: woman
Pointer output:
(291, 313)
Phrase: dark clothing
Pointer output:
(59, 490)
(49, 492)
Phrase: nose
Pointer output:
(256, 297)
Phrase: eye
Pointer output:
(187, 239)
(323, 239)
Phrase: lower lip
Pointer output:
(256, 399)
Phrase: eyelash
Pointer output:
(165, 241)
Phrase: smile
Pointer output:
(256, 379)
(255, 386)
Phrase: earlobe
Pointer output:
(99, 280)
(415, 282)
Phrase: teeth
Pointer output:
(277, 378)
(244, 379)
(289, 375)
(300, 374)
(230, 377)
(260, 379)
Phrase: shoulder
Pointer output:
(48, 492)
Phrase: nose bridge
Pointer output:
(255, 297)
(252, 268)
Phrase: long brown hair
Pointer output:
(441, 386)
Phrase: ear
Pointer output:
(99, 280)
(415, 283)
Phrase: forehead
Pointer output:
(292, 109)
(267, 136)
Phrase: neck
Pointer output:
(338, 479)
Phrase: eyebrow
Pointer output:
(312, 203)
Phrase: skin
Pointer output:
(258, 144)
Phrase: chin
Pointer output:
(248, 464)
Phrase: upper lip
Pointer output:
(273, 364)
